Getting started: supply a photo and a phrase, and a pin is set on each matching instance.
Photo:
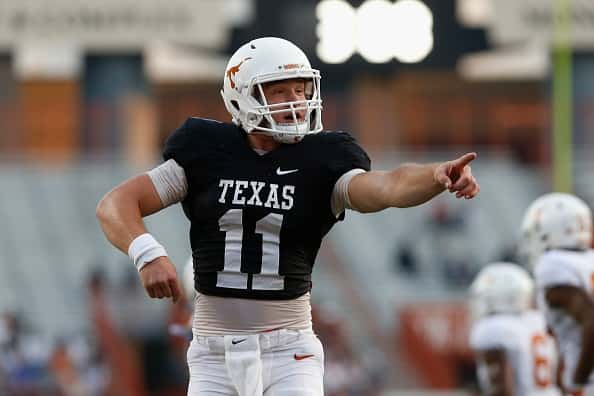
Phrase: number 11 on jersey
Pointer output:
(268, 228)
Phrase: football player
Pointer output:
(514, 353)
(556, 233)
(260, 194)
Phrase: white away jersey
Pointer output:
(564, 267)
(529, 349)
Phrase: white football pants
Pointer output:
(280, 362)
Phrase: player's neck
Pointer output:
(262, 142)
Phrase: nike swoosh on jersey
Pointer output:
(234, 342)
(301, 357)
(285, 172)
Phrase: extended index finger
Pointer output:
(464, 160)
(175, 290)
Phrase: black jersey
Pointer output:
(257, 221)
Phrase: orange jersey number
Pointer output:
(542, 366)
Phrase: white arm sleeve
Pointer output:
(170, 182)
(340, 195)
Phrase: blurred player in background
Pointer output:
(557, 232)
(260, 194)
(514, 353)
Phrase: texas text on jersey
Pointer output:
(257, 221)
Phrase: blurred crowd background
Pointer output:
(90, 90)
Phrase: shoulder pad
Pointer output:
(494, 332)
(202, 123)
(332, 137)
(193, 137)
(340, 150)
(555, 268)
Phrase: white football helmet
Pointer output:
(555, 221)
(501, 288)
(264, 60)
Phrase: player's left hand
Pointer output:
(456, 176)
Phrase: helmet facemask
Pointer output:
(295, 128)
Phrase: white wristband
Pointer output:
(144, 249)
